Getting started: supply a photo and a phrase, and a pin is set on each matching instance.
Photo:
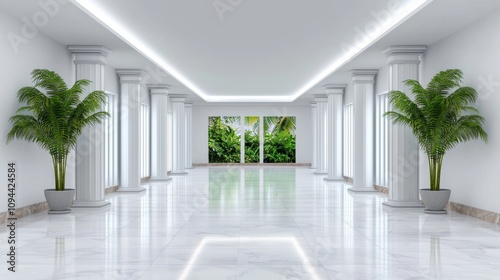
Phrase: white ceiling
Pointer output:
(258, 50)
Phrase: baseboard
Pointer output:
(25, 211)
(39, 207)
(485, 215)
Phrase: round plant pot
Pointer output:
(59, 201)
(435, 201)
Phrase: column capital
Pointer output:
(177, 97)
(320, 98)
(161, 89)
(188, 104)
(313, 104)
(335, 89)
(363, 76)
(89, 54)
(409, 54)
(130, 76)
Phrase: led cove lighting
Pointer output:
(114, 26)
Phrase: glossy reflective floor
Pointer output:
(252, 223)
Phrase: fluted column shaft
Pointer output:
(179, 135)
(130, 130)
(403, 147)
(189, 134)
(364, 95)
(159, 132)
(321, 133)
(335, 95)
(313, 125)
(90, 64)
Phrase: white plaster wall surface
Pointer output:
(303, 125)
(471, 170)
(34, 172)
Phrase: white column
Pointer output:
(90, 62)
(189, 134)
(403, 147)
(334, 124)
(159, 132)
(130, 130)
(321, 133)
(313, 126)
(364, 95)
(179, 141)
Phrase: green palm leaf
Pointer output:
(55, 119)
(440, 116)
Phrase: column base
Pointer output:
(320, 172)
(312, 167)
(337, 179)
(139, 189)
(90, 204)
(156, 179)
(403, 204)
(178, 173)
(189, 167)
(362, 189)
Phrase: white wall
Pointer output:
(303, 125)
(382, 80)
(34, 165)
(472, 169)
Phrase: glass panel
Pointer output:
(224, 139)
(279, 139)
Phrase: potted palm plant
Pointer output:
(54, 119)
(440, 116)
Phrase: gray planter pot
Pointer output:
(435, 201)
(59, 201)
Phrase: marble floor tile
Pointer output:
(251, 223)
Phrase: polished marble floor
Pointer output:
(252, 223)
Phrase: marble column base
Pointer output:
(90, 204)
(338, 179)
(403, 204)
(320, 172)
(139, 189)
(362, 189)
(178, 173)
(156, 179)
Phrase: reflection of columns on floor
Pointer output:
(179, 134)
(313, 126)
(321, 111)
(90, 64)
(189, 134)
(159, 132)
(130, 130)
(335, 95)
(403, 147)
(364, 94)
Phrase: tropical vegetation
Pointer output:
(54, 116)
(440, 116)
(224, 139)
